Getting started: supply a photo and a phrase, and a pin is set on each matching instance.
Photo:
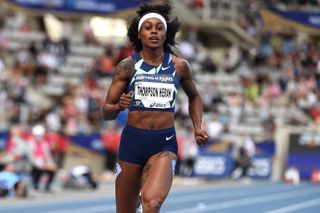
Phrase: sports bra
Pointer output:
(154, 87)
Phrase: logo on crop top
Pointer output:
(158, 105)
(165, 68)
(166, 78)
(137, 103)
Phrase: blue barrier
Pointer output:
(91, 141)
(3, 139)
(220, 165)
(82, 6)
(216, 165)
(304, 153)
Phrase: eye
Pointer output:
(147, 26)
(160, 27)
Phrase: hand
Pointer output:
(125, 100)
(51, 167)
(201, 136)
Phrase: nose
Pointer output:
(154, 30)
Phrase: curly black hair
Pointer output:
(172, 26)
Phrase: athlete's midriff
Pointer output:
(151, 120)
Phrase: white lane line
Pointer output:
(210, 195)
(248, 200)
(297, 206)
(46, 203)
(101, 208)
(233, 186)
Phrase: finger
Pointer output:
(125, 103)
(201, 143)
(200, 139)
(204, 134)
(129, 94)
(125, 98)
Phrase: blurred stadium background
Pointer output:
(255, 62)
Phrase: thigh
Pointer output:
(36, 173)
(158, 175)
(127, 186)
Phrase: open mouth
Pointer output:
(154, 39)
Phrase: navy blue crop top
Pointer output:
(154, 87)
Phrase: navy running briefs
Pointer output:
(138, 145)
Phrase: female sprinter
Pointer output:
(147, 84)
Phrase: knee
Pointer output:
(152, 203)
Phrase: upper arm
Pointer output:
(120, 80)
(186, 80)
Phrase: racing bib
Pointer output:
(154, 94)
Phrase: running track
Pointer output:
(245, 198)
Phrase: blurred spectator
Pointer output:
(273, 90)
(4, 41)
(187, 51)
(60, 149)
(211, 96)
(58, 143)
(235, 105)
(111, 141)
(288, 36)
(208, 65)
(251, 90)
(295, 116)
(11, 183)
(269, 126)
(66, 35)
(124, 52)
(2, 65)
(33, 49)
(24, 61)
(105, 64)
(189, 154)
(80, 177)
(315, 111)
(53, 119)
(41, 158)
(17, 150)
(243, 151)
(232, 59)
(47, 60)
(89, 37)
(265, 42)
(70, 113)
(198, 3)
(214, 127)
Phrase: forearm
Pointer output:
(195, 111)
(110, 111)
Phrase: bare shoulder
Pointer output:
(182, 66)
(125, 68)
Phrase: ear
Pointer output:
(139, 35)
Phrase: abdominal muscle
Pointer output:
(151, 120)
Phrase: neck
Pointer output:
(152, 56)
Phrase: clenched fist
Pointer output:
(125, 100)
(201, 136)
